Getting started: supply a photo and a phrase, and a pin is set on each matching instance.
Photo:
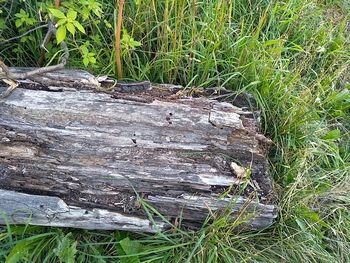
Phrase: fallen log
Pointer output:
(73, 154)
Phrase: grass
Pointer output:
(293, 56)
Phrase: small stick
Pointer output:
(46, 40)
(9, 77)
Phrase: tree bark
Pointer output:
(72, 155)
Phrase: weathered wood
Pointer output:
(83, 150)
(22, 208)
(57, 80)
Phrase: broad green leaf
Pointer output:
(19, 252)
(79, 26)
(19, 22)
(130, 247)
(86, 61)
(84, 13)
(332, 135)
(27, 38)
(134, 43)
(57, 13)
(30, 21)
(62, 21)
(61, 34)
(92, 60)
(315, 217)
(72, 15)
(71, 28)
(85, 50)
(97, 12)
(18, 15)
(22, 14)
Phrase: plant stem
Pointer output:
(117, 39)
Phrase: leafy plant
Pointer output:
(66, 249)
(23, 19)
(90, 6)
(66, 22)
(128, 42)
(129, 249)
(88, 57)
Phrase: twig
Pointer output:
(24, 34)
(43, 46)
(7, 75)
(50, 31)
(46, 39)
(57, 3)
(29, 74)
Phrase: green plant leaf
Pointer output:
(71, 28)
(130, 247)
(332, 135)
(62, 21)
(79, 26)
(72, 15)
(85, 50)
(86, 61)
(135, 43)
(19, 22)
(21, 14)
(61, 34)
(92, 60)
(57, 13)
(107, 24)
(19, 251)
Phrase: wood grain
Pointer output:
(88, 149)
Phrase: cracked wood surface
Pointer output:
(93, 150)
(23, 208)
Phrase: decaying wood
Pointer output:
(52, 211)
(86, 158)
(54, 81)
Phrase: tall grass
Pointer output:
(294, 57)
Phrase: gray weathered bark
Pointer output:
(90, 159)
